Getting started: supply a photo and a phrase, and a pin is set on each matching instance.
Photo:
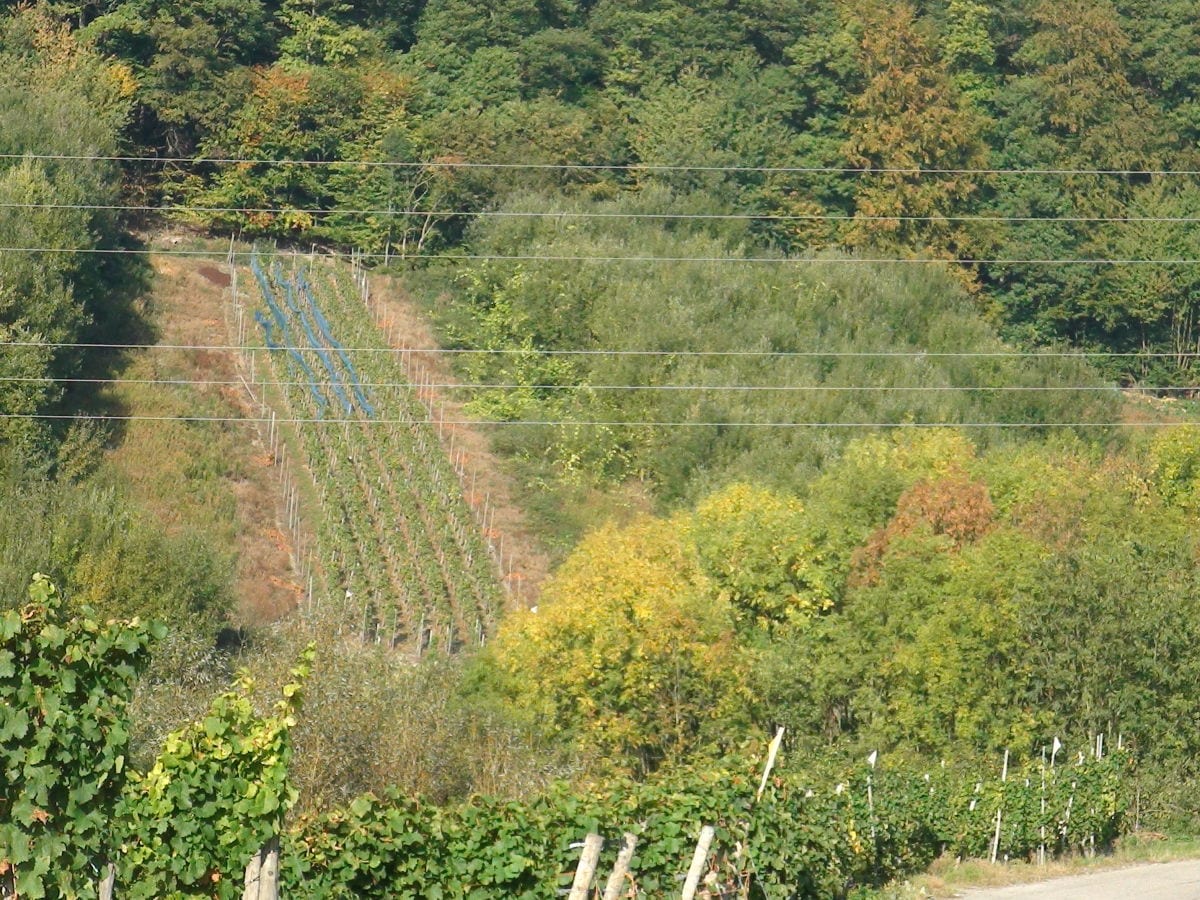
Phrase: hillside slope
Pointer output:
(192, 475)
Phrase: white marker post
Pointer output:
(1000, 808)
(1042, 846)
(871, 759)
(771, 754)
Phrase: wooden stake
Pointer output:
(620, 872)
(262, 873)
(105, 890)
(586, 871)
(699, 858)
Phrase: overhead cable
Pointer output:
(448, 163)
(533, 352)
(576, 214)
(720, 260)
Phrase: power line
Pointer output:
(253, 420)
(483, 386)
(722, 260)
(566, 214)
(593, 167)
(523, 351)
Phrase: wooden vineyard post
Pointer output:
(105, 890)
(699, 858)
(613, 888)
(262, 873)
(586, 870)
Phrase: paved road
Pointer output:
(1158, 881)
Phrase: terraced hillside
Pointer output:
(396, 554)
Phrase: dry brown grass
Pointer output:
(209, 477)
(948, 877)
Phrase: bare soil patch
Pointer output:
(215, 275)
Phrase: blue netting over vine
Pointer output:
(335, 380)
(360, 395)
(279, 321)
(293, 310)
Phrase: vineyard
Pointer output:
(73, 814)
(811, 834)
(398, 552)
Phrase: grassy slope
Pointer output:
(212, 477)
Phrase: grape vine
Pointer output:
(397, 537)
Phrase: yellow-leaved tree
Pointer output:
(758, 550)
(631, 651)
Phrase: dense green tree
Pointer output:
(1070, 106)
(36, 300)
(318, 34)
(939, 648)
(1112, 640)
(757, 549)
(322, 114)
(561, 61)
(692, 123)
(825, 75)
(1164, 59)
(56, 97)
(646, 42)
(658, 40)
(1076, 64)
(451, 30)
(188, 60)
(628, 652)
(1145, 307)
(969, 52)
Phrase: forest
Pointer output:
(843, 357)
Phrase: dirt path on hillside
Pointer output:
(188, 306)
(525, 564)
